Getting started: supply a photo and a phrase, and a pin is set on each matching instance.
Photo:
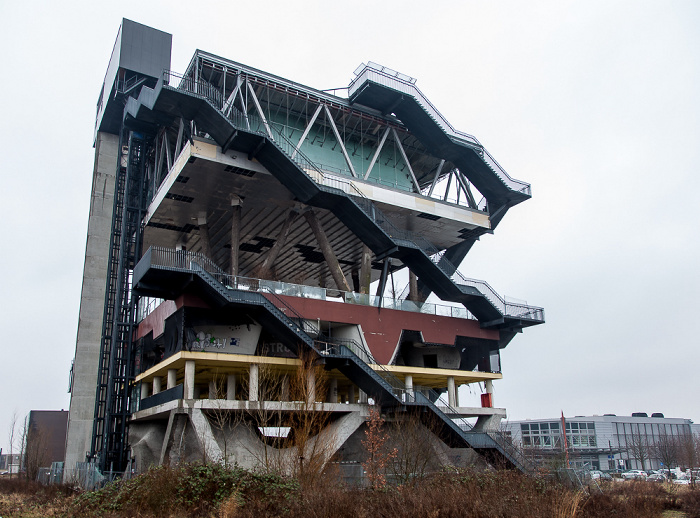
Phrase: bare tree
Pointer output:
(378, 456)
(12, 438)
(36, 450)
(689, 453)
(414, 455)
(638, 447)
(311, 440)
(666, 450)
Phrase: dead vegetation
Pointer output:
(197, 490)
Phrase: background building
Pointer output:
(606, 442)
(238, 295)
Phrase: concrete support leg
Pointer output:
(189, 379)
(489, 389)
(172, 378)
(409, 388)
(284, 392)
(231, 387)
(332, 391)
(144, 390)
(204, 235)
(212, 390)
(253, 380)
(365, 269)
(311, 387)
(157, 383)
(451, 390)
(331, 260)
(235, 233)
(413, 287)
(272, 254)
(351, 394)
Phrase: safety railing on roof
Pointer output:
(392, 79)
(257, 125)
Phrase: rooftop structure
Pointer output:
(243, 225)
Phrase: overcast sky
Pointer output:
(594, 103)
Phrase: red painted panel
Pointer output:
(383, 327)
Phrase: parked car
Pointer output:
(634, 474)
(599, 475)
(657, 477)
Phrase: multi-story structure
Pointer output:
(607, 442)
(243, 225)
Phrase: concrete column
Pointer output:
(212, 390)
(144, 390)
(172, 378)
(363, 397)
(351, 394)
(284, 395)
(409, 387)
(451, 399)
(253, 380)
(235, 233)
(189, 379)
(272, 254)
(365, 269)
(332, 391)
(231, 387)
(311, 387)
(157, 382)
(204, 235)
(325, 245)
(412, 287)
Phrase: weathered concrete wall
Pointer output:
(87, 348)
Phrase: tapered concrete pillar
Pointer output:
(273, 253)
(235, 233)
(172, 378)
(231, 387)
(189, 379)
(325, 245)
(409, 388)
(144, 390)
(332, 391)
(451, 399)
(365, 269)
(412, 287)
(284, 392)
(212, 390)
(311, 387)
(253, 381)
(157, 382)
(204, 243)
(351, 394)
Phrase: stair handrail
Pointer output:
(322, 344)
(383, 75)
(207, 91)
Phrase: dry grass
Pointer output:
(215, 492)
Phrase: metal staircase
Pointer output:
(301, 335)
(392, 92)
(310, 185)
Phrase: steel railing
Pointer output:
(254, 124)
(392, 79)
